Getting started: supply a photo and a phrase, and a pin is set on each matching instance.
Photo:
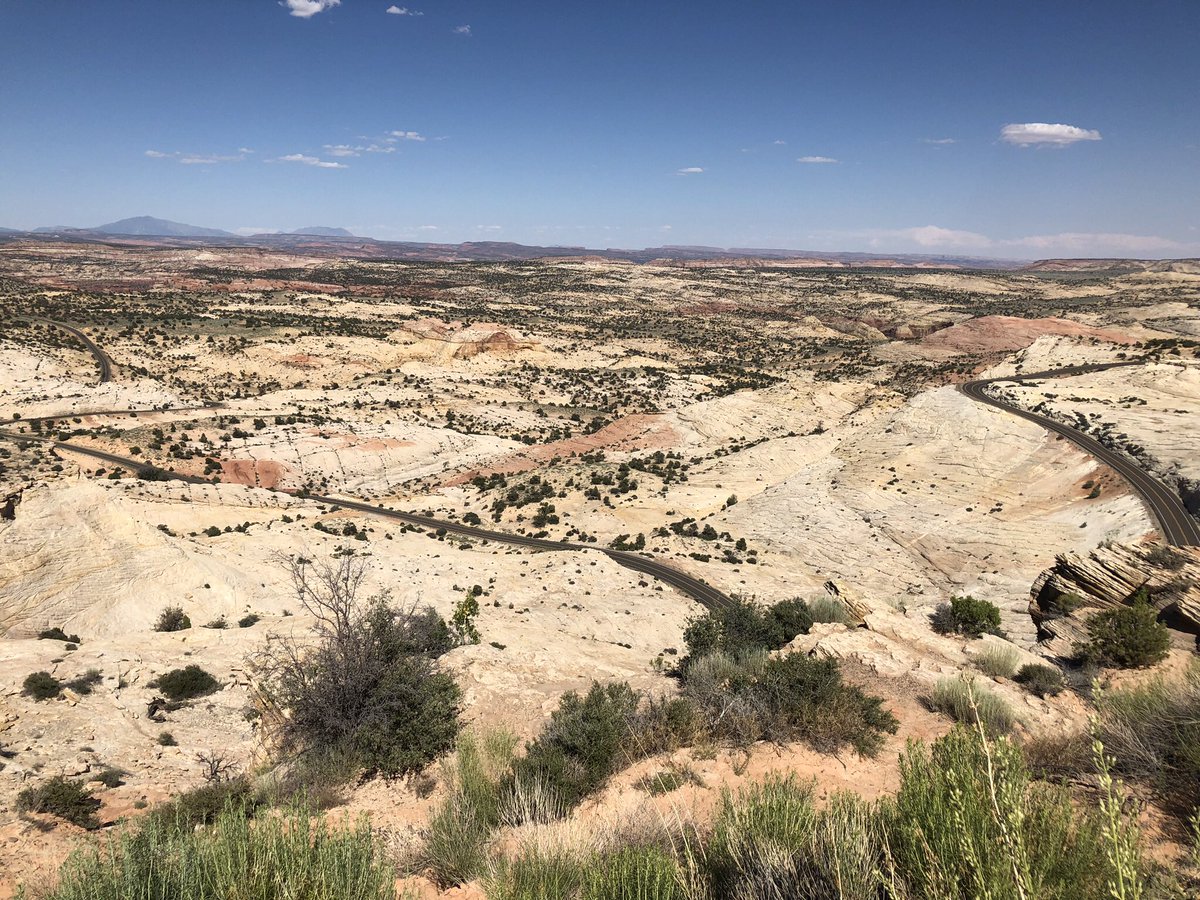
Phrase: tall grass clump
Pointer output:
(277, 858)
(998, 660)
(633, 873)
(455, 842)
(1153, 733)
(967, 822)
(537, 874)
(824, 608)
(770, 841)
(967, 701)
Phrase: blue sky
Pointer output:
(1016, 129)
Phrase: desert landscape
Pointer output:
(571, 460)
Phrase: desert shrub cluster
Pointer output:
(967, 821)
(369, 691)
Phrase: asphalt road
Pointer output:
(699, 590)
(100, 356)
(1177, 526)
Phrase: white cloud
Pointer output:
(244, 150)
(406, 136)
(463, 30)
(310, 161)
(936, 239)
(209, 160)
(938, 141)
(342, 150)
(1097, 244)
(1029, 134)
(933, 236)
(403, 11)
(376, 148)
(305, 9)
(818, 160)
(199, 159)
(779, 143)
(490, 228)
(427, 228)
(690, 170)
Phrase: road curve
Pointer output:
(700, 591)
(1176, 524)
(101, 357)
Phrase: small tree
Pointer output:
(369, 690)
(172, 618)
(1126, 637)
(462, 623)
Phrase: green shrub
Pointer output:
(187, 683)
(111, 777)
(86, 682)
(41, 686)
(967, 616)
(1126, 637)
(585, 741)
(966, 822)
(806, 699)
(757, 697)
(57, 634)
(967, 701)
(172, 618)
(997, 660)
(62, 798)
(166, 739)
(276, 858)
(744, 625)
(247, 620)
(1042, 680)
(672, 779)
(205, 804)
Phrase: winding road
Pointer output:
(696, 588)
(1176, 524)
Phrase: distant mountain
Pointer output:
(324, 231)
(10, 230)
(150, 227)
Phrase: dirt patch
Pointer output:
(264, 473)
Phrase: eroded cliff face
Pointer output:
(1063, 596)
